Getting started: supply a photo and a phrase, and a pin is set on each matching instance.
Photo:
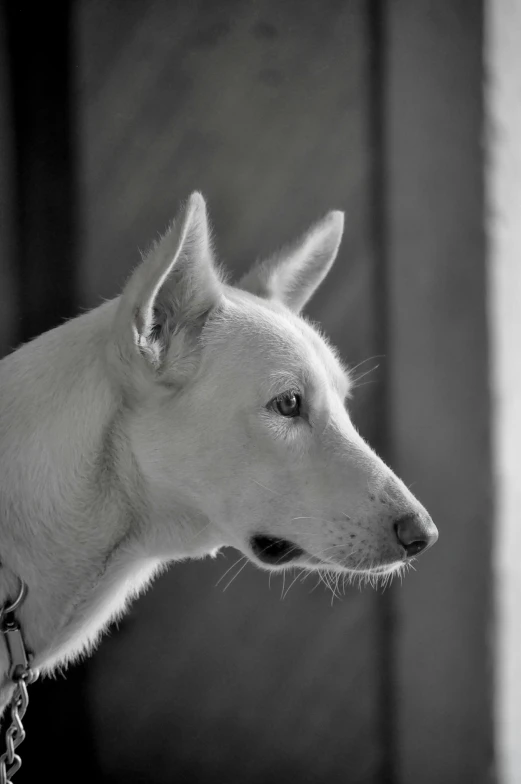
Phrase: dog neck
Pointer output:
(74, 510)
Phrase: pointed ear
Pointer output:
(170, 294)
(293, 274)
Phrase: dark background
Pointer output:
(278, 110)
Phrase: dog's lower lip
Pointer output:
(273, 551)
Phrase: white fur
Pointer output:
(141, 433)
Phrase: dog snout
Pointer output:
(416, 533)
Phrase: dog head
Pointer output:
(236, 409)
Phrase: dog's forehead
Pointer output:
(263, 329)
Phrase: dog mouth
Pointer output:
(275, 552)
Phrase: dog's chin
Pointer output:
(382, 570)
(273, 552)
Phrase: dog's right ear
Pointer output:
(169, 296)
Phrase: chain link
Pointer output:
(22, 675)
(10, 761)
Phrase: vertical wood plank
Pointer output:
(439, 408)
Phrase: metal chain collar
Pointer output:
(22, 675)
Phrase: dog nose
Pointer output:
(415, 533)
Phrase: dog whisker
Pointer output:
(369, 359)
(299, 574)
(277, 493)
(229, 569)
(201, 530)
(320, 519)
(236, 575)
(355, 381)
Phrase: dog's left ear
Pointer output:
(169, 296)
(293, 274)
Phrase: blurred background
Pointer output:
(111, 113)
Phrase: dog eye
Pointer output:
(288, 404)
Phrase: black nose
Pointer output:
(415, 533)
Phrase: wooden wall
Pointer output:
(439, 400)
(439, 406)
(279, 111)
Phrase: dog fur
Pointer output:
(145, 431)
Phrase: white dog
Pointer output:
(183, 416)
